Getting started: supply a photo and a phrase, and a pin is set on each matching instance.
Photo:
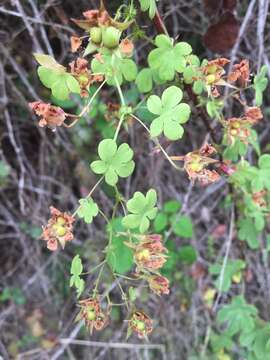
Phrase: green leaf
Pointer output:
(76, 266)
(248, 233)
(113, 65)
(172, 206)
(144, 80)
(168, 59)
(149, 5)
(183, 227)
(154, 105)
(115, 162)
(118, 255)
(160, 222)
(211, 108)
(171, 97)
(220, 342)
(48, 76)
(142, 209)
(239, 316)
(198, 87)
(262, 178)
(129, 69)
(171, 113)
(225, 275)
(60, 89)
(187, 254)
(261, 343)
(76, 270)
(49, 62)
(88, 209)
(72, 84)
(260, 85)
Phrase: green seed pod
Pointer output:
(110, 37)
(91, 314)
(59, 230)
(60, 220)
(96, 35)
(140, 325)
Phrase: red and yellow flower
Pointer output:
(92, 314)
(141, 324)
(58, 229)
(150, 253)
(51, 116)
(159, 284)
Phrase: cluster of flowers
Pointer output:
(213, 75)
(149, 257)
(240, 128)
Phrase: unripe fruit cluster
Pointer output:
(109, 36)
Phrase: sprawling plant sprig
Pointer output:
(173, 73)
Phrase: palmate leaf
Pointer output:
(54, 76)
(115, 66)
(114, 161)
(118, 255)
(262, 180)
(260, 84)
(224, 280)
(248, 233)
(88, 209)
(142, 209)
(261, 345)
(183, 227)
(170, 113)
(239, 316)
(76, 271)
(149, 5)
(168, 58)
(144, 80)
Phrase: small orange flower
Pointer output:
(51, 116)
(141, 324)
(93, 18)
(75, 42)
(195, 164)
(253, 114)
(58, 229)
(150, 253)
(92, 15)
(126, 47)
(79, 69)
(240, 73)
(92, 314)
(238, 128)
(159, 284)
(259, 198)
(213, 73)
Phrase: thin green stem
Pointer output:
(122, 118)
(94, 268)
(158, 144)
(98, 279)
(120, 91)
(118, 127)
(86, 108)
(104, 216)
